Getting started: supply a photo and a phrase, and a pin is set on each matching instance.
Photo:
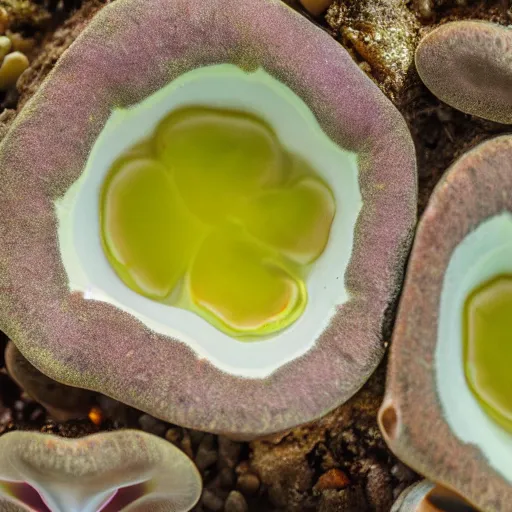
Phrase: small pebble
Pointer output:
(151, 425)
(173, 435)
(316, 7)
(20, 43)
(211, 501)
(206, 454)
(229, 452)
(227, 478)
(11, 69)
(332, 479)
(243, 467)
(4, 20)
(236, 503)
(424, 8)
(196, 436)
(5, 46)
(248, 483)
(186, 445)
(350, 499)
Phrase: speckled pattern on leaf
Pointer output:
(130, 50)
(476, 187)
(468, 64)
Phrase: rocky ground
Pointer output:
(339, 463)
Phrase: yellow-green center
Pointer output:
(488, 347)
(213, 215)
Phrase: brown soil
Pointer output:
(339, 463)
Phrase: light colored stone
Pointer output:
(11, 69)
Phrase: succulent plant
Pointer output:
(447, 407)
(426, 497)
(468, 64)
(123, 471)
(63, 304)
(62, 402)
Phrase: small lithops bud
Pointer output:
(424, 496)
(5, 46)
(316, 7)
(468, 64)
(11, 69)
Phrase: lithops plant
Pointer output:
(61, 401)
(123, 471)
(468, 64)
(447, 410)
(239, 281)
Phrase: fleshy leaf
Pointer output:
(295, 220)
(220, 158)
(488, 351)
(244, 285)
(147, 233)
